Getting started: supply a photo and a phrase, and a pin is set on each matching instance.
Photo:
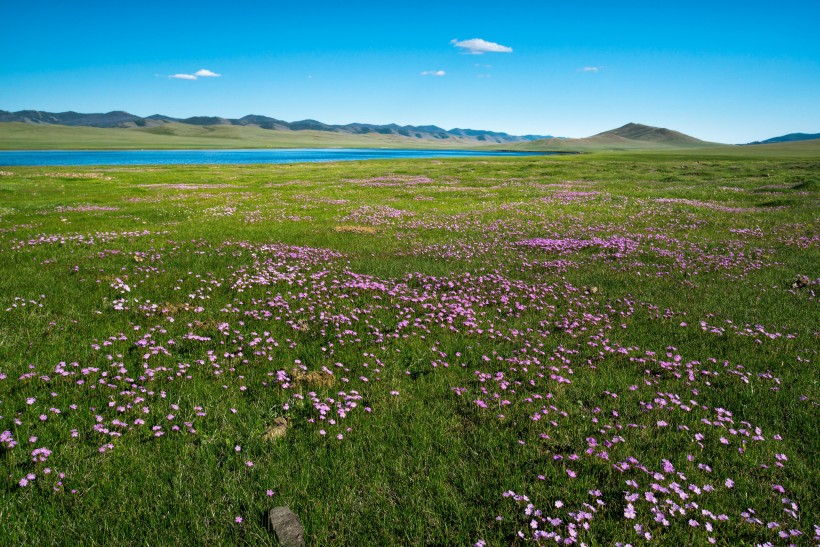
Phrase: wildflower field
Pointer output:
(599, 350)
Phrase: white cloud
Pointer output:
(590, 69)
(201, 73)
(433, 73)
(477, 46)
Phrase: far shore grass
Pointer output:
(21, 136)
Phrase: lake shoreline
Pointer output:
(54, 158)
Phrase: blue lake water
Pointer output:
(216, 157)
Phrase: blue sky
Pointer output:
(728, 71)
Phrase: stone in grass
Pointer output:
(287, 527)
(801, 281)
(278, 429)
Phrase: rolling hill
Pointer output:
(655, 135)
(632, 136)
(124, 120)
(123, 131)
(178, 136)
(110, 119)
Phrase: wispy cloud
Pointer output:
(433, 73)
(591, 69)
(201, 73)
(477, 46)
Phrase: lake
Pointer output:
(216, 157)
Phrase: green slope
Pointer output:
(632, 136)
(796, 149)
(22, 136)
(788, 150)
(653, 135)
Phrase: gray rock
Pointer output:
(801, 281)
(287, 527)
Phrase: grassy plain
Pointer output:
(799, 149)
(177, 136)
(597, 144)
(601, 348)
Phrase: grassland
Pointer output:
(594, 144)
(609, 144)
(176, 136)
(807, 150)
(632, 136)
(601, 349)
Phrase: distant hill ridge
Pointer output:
(791, 137)
(120, 119)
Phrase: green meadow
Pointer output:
(178, 136)
(590, 349)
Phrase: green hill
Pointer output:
(632, 136)
(124, 120)
(653, 135)
(174, 135)
(27, 136)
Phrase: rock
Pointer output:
(801, 281)
(287, 527)
(278, 429)
(804, 280)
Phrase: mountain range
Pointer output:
(124, 120)
(33, 129)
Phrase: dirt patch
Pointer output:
(84, 208)
(312, 378)
(98, 176)
(355, 229)
(185, 186)
(457, 188)
(277, 430)
(288, 183)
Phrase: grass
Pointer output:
(603, 143)
(175, 136)
(500, 343)
(798, 149)
(785, 150)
